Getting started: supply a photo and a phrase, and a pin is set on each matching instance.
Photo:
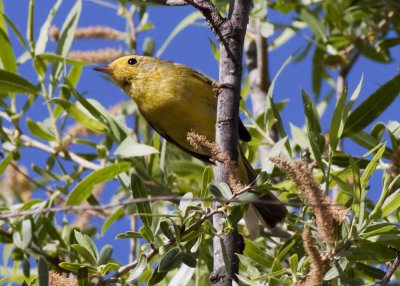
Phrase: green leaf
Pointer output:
(214, 50)
(7, 160)
(43, 272)
(255, 252)
(170, 259)
(6, 50)
(105, 254)
(66, 37)
(11, 82)
(39, 131)
(341, 113)
(166, 229)
(188, 20)
(372, 107)
(189, 259)
(313, 23)
(30, 27)
(41, 42)
(270, 105)
(369, 142)
(80, 116)
(318, 70)
(83, 189)
(87, 243)
(118, 213)
(156, 277)
(372, 167)
(208, 177)
(85, 254)
(139, 268)
(16, 31)
(129, 234)
(53, 58)
(391, 204)
(73, 267)
(129, 148)
(148, 46)
(139, 192)
(146, 233)
(83, 276)
(313, 128)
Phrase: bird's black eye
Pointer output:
(132, 61)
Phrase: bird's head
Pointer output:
(125, 70)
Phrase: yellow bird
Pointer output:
(175, 100)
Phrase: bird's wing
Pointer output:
(244, 134)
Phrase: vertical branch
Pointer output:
(230, 34)
(256, 50)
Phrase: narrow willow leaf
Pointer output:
(73, 267)
(318, 70)
(369, 142)
(255, 252)
(139, 268)
(30, 27)
(53, 58)
(86, 242)
(370, 169)
(80, 116)
(7, 56)
(357, 210)
(139, 192)
(11, 82)
(39, 131)
(313, 128)
(83, 189)
(115, 215)
(214, 50)
(105, 254)
(16, 31)
(337, 123)
(7, 160)
(391, 204)
(208, 177)
(130, 148)
(26, 233)
(43, 272)
(170, 259)
(185, 202)
(41, 42)
(66, 37)
(313, 23)
(372, 107)
(188, 20)
(83, 276)
(146, 233)
(156, 277)
(279, 123)
(85, 254)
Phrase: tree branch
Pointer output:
(230, 34)
(29, 142)
(167, 2)
(393, 267)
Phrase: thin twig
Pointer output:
(126, 268)
(392, 269)
(30, 142)
(167, 2)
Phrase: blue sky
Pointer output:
(191, 47)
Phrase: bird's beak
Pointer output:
(106, 70)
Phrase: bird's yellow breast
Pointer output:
(175, 101)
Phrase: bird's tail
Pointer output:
(270, 210)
